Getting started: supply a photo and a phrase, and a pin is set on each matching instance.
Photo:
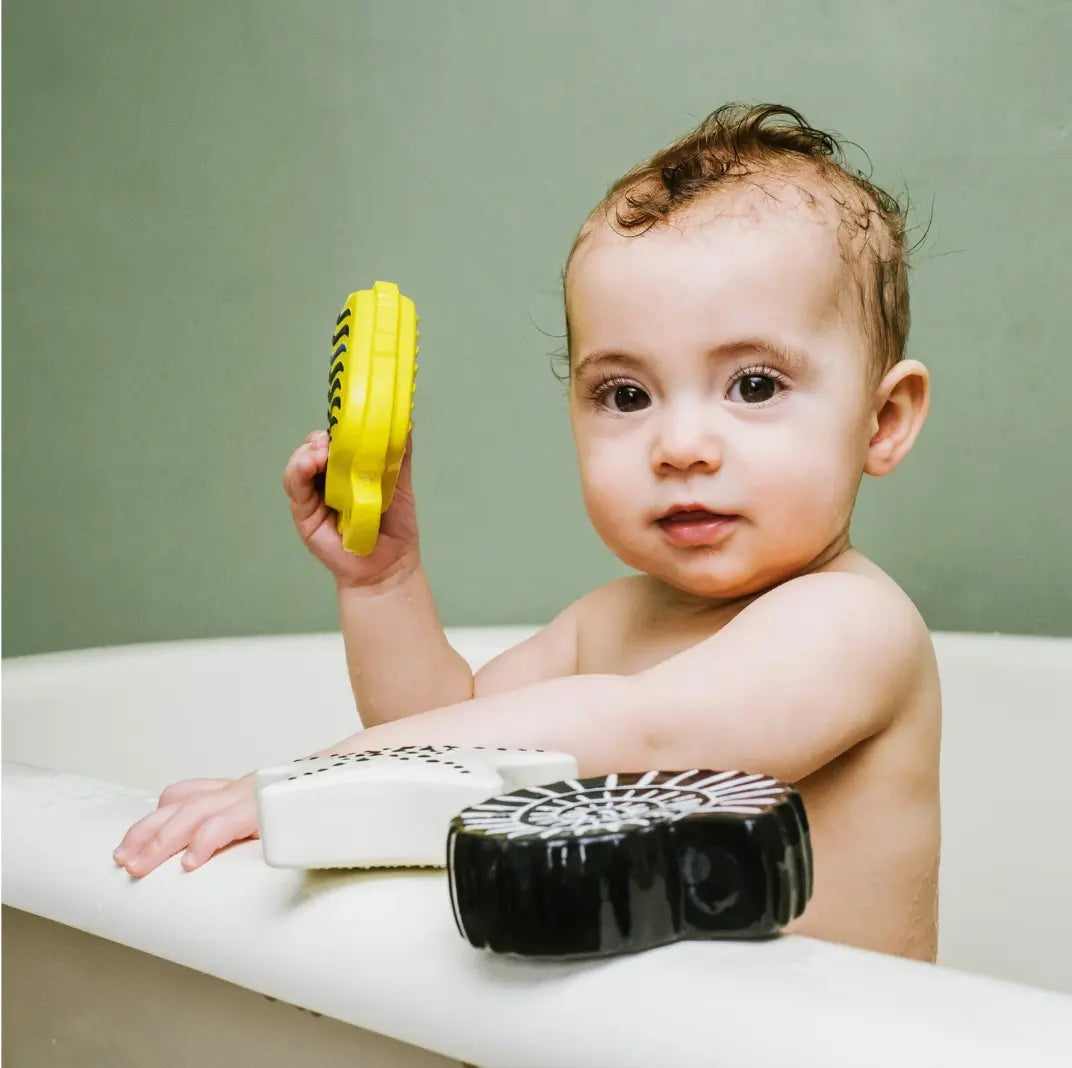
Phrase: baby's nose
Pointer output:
(685, 440)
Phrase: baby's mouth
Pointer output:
(692, 515)
(696, 526)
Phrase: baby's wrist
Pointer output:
(398, 575)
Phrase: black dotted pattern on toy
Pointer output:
(338, 345)
(429, 754)
(606, 865)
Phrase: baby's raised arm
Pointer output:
(397, 656)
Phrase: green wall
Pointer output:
(191, 189)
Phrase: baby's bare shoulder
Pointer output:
(858, 598)
(874, 589)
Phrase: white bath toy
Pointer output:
(386, 807)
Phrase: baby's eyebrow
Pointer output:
(790, 357)
(594, 359)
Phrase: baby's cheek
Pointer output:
(799, 491)
(615, 516)
(606, 509)
(605, 478)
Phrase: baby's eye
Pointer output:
(754, 388)
(626, 398)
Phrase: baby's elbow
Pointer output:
(626, 735)
(658, 741)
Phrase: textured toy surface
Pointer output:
(371, 382)
(387, 807)
(599, 866)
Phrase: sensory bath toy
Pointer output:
(371, 382)
(385, 807)
(600, 866)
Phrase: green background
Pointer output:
(192, 188)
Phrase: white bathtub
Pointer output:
(182, 969)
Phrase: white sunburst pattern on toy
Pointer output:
(614, 803)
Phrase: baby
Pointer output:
(737, 310)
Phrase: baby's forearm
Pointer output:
(398, 658)
(595, 718)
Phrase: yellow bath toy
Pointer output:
(370, 402)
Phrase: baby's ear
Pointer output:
(901, 404)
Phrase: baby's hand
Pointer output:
(396, 553)
(198, 815)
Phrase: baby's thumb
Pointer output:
(299, 482)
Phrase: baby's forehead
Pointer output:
(745, 261)
(784, 234)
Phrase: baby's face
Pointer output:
(719, 393)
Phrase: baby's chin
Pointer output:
(716, 588)
(709, 575)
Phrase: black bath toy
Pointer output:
(605, 865)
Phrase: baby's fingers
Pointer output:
(233, 824)
(140, 833)
(172, 835)
(306, 462)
